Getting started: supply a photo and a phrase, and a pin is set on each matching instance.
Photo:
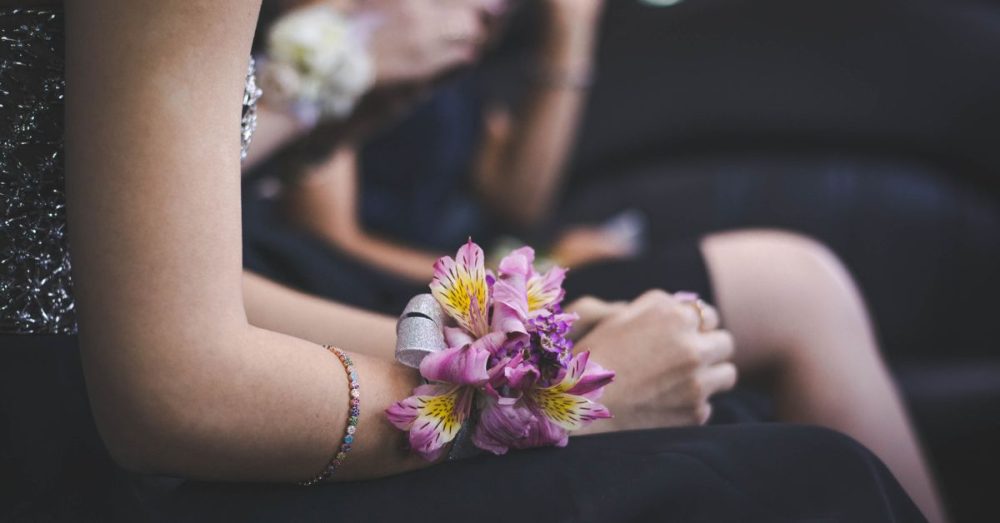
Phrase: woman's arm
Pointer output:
(180, 382)
(324, 202)
(277, 308)
(275, 129)
(520, 169)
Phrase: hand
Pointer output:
(591, 311)
(419, 40)
(580, 246)
(667, 367)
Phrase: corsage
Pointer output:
(318, 62)
(494, 350)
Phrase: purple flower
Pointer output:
(509, 354)
(461, 287)
(542, 416)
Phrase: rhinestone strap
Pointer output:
(352, 419)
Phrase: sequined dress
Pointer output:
(36, 285)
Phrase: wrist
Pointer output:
(569, 47)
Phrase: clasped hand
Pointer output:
(669, 359)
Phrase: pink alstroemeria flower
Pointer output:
(461, 287)
(540, 291)
(542, 416)
(435, 413)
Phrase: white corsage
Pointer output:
(318, 62)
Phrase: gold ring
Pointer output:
(700, 305)
(692, 299)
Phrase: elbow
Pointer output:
(148, 422)
(133, 458)
(135, 445)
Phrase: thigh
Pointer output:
(732, 473)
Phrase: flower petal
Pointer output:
(543, 433)
(458, 365)
(493, 342)
(502, 425)
(518, 262)
(508, 319)
(545, 290)
(522, 375)
(592, 381)
(574, 371)
(456, 337)
(568, 411)
(460, 286)
(432, 419)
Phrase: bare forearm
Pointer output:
(277, 308)
(409, 263)
(250, 406)
(527, 177)
(275, 129)
(179, 382)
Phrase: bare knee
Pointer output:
(780, 287)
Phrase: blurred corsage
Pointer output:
(318, 62)
(507, 363)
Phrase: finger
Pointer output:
(464, 27)
(718, 378)
(707, 315)
(692, 316)
(710, 317)
(591, 311)
(654, 298)
(454, 57)
(718, 347)
(703, 414)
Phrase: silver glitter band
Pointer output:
(419, 330)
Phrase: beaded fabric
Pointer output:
(35, 285)
(36, 288)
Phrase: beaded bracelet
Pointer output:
(352, 419)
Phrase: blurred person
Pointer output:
(185, 378)
(794, 309)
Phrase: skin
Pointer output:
(800, 319)
(408, 46)
(181, 381)
(519, 173)
(520, 161)
(812, 338)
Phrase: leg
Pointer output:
(755, 472)
(796, 314)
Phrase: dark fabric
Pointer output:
(53, 466)
(714, 474)
(675, 266)
(923, 246)
(415, 183)
(290, 256)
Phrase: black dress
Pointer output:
(53, 466)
